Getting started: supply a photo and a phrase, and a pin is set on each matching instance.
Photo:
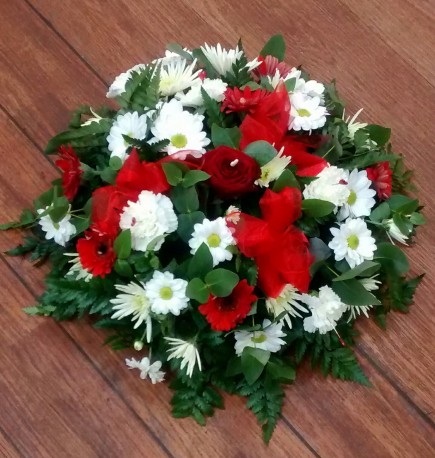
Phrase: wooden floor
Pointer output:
(64, 395)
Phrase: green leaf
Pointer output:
(201, 263)
(193, 177)
(392, 258)
(403, 204)
(378, 134)
(198, 290)
(286, 180)
(173, 173)
(417, 219)
(122, 244)
(186, 222)
(365, 269)
(59, 209)
(26, 218)
(274, 47)
(380, 213)
(234, 367)
(213, 110)
(225, 136)
(185, 199)
(279, 370)
(122, 267)
(317, 208)
(254, 361)
(178, 49)
(352, 292)
(262, 151)
(221, 282)
(115, 163)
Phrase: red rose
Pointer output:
(382, 177)
(232, 172)
(69, 163)
(224, 313)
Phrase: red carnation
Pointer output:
(69, 163)
(245, 100)
(224, 313)
(96, 252)
(382, 177)
(268, 67)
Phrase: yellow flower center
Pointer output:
(166, 293)
(353, 242)
(352, 198)
(303, 112)
(259, 338)
(213, 240)
(179, 140)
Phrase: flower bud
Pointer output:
(138, 345)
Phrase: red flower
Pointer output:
(96, 252)
(382, 177)
(232, 172)
(268, 67)
(69, 163)
(245, 100)
(224, 313)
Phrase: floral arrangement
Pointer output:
(230, 220)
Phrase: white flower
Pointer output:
(61, 232)
(149, 219)
(232, 214)
(394, 232)
(360, 200)
(216, 235)
(329, 185)
(166, 293)
(215, 88)
(76, 270)
(146, 369)
(253, 64)
(118, 85)
(221, 59)
(293, 74)
(353, 241)
(269, 338)
(130, 124)
(326, 310)
(352, 125)
(306, 113)
(170, 57)
(310, 88)
(273, 169)
(177, 76)
(286, 302)
(186, 351)
(133, 301)
(370, 284)
(184, 130)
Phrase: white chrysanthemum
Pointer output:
(306, 113)
(177, 76)
(146, 369)
(352, 125)
(269, 338)
(394, 232)
(326, 309)
(329, 185)
(186, 351)
(130, 124)
(353, 242)
(216, 235)
(149, 219)
(170, 57)
(61, 232)
(118, 85)
(215, 88)
(370, 284)
(133, 301)
(221, 59)
(166, 293)
(361, 196)
(184, 130)
(253, 64)
(273, 169)
(77, 271)
(286, 302)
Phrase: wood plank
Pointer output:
(7, 449)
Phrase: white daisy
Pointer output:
(77, 271)
(353, 242)
(269, 338)
(306, 113)
(330, 185)
(310, 88)
(177, 76)
(130, 124)
(286, 302)
(186, 351)
(133, 301)
(184, 130)
(273, 169)
(326, 309)
(221, 59)
(146, 369)
(394, 232)
(361, 196)
(215, 88)
(118, 85)
(166, 293)
(216, 235)
(149, 219)
(61, 232)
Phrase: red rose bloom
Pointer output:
(232, 172)
(242, 100)
(69, 163)
(96, 252)
(268, 67)
(224, 313)
(382, 177)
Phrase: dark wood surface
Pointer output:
(65, 395)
